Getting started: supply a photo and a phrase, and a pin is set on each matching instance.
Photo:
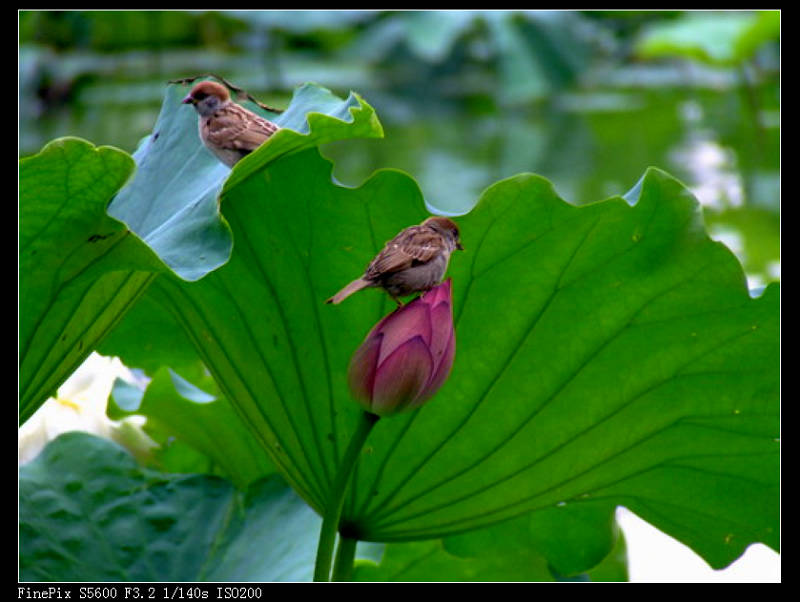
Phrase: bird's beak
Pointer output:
(459, 247)
(188, 100)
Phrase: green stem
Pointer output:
(345, 555)
(333, 512)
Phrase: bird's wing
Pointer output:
(416, 244)
(235, 128)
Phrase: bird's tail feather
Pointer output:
(354, 286)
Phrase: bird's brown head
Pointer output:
(447, 227)
(207, 96)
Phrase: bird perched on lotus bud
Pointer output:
(413, 261)
(407, 356)
(227, 129)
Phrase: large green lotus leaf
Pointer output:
(172, 202)
(88, 512)
(605, 352)
(79, 269)
(626, 363)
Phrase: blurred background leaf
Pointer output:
(722, 38)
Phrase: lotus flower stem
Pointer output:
(333, 512)
(345, 555)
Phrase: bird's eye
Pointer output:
(200, 95)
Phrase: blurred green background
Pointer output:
(588, 99)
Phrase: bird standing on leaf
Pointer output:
(227, 129)
(413, 261)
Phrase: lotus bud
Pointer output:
(407, 356)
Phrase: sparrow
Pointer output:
(227, 129)
(413, 261)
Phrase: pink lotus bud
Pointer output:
(407, 356)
